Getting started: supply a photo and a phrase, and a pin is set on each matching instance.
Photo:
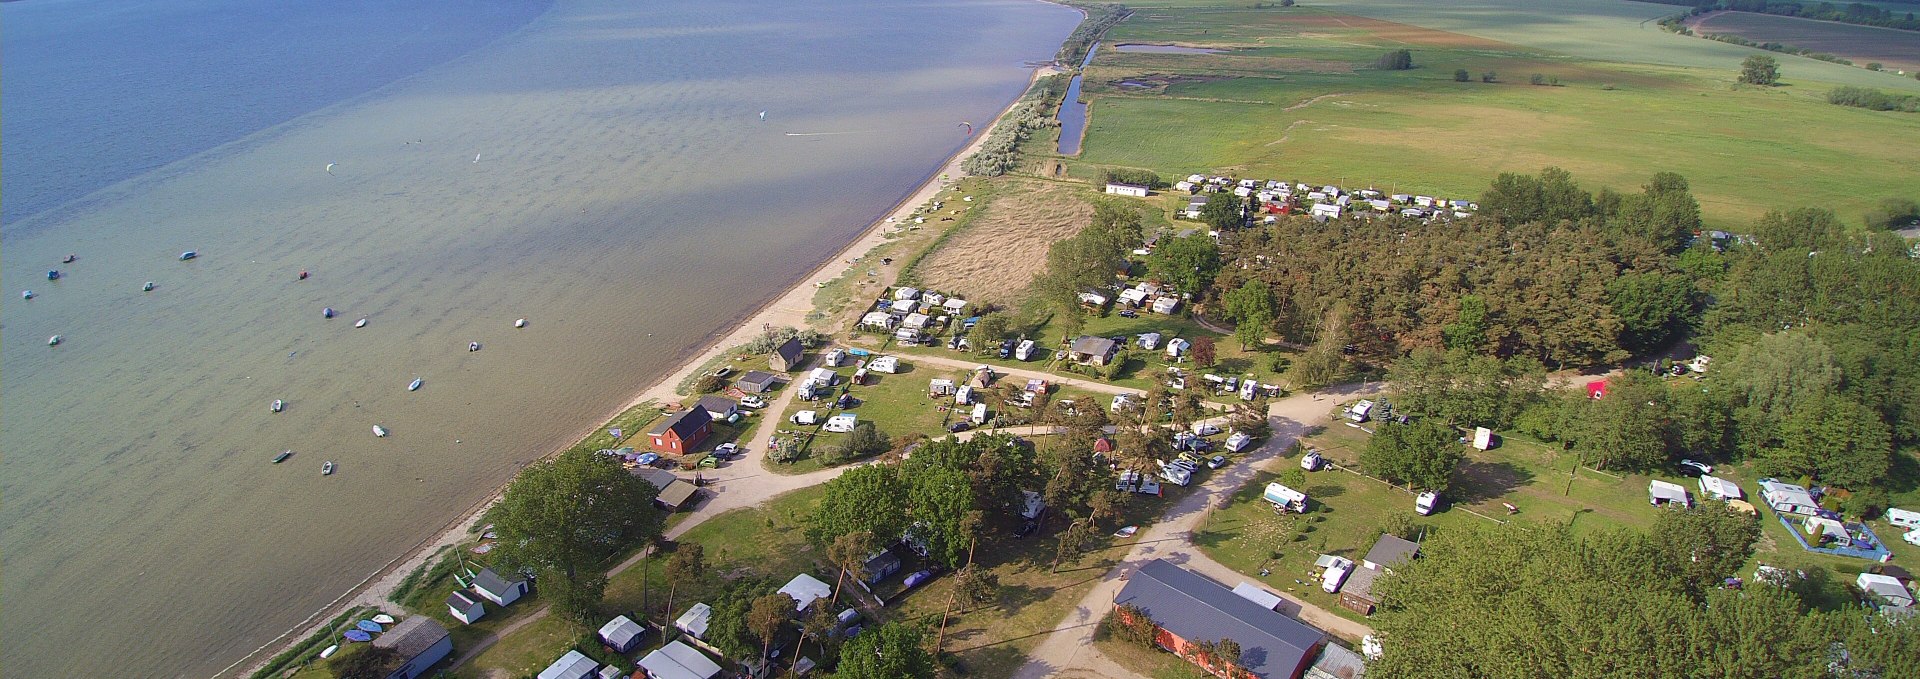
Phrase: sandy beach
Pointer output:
(789, 309)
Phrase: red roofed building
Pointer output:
(681, 432)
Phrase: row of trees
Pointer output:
(1544, 600)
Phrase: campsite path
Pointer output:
(1170, 539)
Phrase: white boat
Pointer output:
(415, 384)
(326, 468)
(148, 287)
(383, 619)
(53, 341)
(26, 294)
(329, 652)
(279, 405)
(473, 346)
(379, 430)
(520, 323)
(360, 323)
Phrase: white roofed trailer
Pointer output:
(1285, 498)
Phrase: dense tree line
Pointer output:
(1851, 13)
(1534, 276)
(1872, 99)
(1531, 601)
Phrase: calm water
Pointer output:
(627, 200)
(1073, 112)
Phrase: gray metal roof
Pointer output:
(718, 405)
(492, 582)
(460, 600)
(1197, 609)
(1088, 344)
(411, 636)
(1392, 550)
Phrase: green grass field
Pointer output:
(1248, 535)
(1296, 100)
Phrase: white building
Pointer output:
(1134, 190)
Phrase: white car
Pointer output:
(1692, 466)
(1912, 537)
(752, 402)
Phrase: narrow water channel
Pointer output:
(1073, 112)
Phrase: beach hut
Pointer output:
(419, 643)
(501, 591)
(464, 607)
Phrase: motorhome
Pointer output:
(1285, 499)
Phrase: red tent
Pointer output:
(1596, 389)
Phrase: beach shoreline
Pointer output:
(788, 309)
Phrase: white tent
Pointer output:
(621, 633)
(804, 589)
(679, 661)
(573, 665)
(694, 621)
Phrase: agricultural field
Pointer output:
(1296, 98)
(1895, 49)
(995, 255)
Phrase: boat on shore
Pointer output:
(520, 323)
(190, 254)
(383, 619)
(278, 405)
(326, 468)
(277, 459)
(358, 635)
(415, 384)
(330, 650)
(360, 323)
(379, 430)
(370, 626)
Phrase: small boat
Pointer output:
(370, 626)
(415, 384)
(53, 341)
(326, 468)
(383, 619)
(327, 312)
(1126, 532)
(330, 650)
(360, 323)
(53, 274)
(26, 294)
(277, 459)
(148, 287)
(68, 259)
(279, 405)
(520, 323)
(379, 430)
(303, 275)
(473, 346)
(184, 256)
(357, 635)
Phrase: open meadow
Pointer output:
(1895, 49)
(1296, 97)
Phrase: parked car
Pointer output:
(918, 578)
(1006, 348)
(1217, 462)
(1692, 468)
(959, 426)
(1129, 313)
(726, 451)
(752, 402)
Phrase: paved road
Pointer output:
(1068, 650)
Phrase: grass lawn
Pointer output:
(763, 541)
(1151, 662)
(1297, 101)
(526, 651)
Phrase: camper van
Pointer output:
(1425, 503)
(979, 416)
(1024, 352)
(1238, 442)
(841, 423)
(1285, 499)
(834, 357)
(963, 396)
(1362, 411)
(1336, 572)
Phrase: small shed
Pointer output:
(694, 621)
(719, 407)
(621, 634)
(756, 382)
(786, 358)
(1661, 492)
(677, 495)
(501, 591)
(464, 607)
(805, 589)
(679, 661)
(420, 642)
(573, 665)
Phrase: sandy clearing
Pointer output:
(1004, 248)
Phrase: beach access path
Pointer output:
(1068, 651)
